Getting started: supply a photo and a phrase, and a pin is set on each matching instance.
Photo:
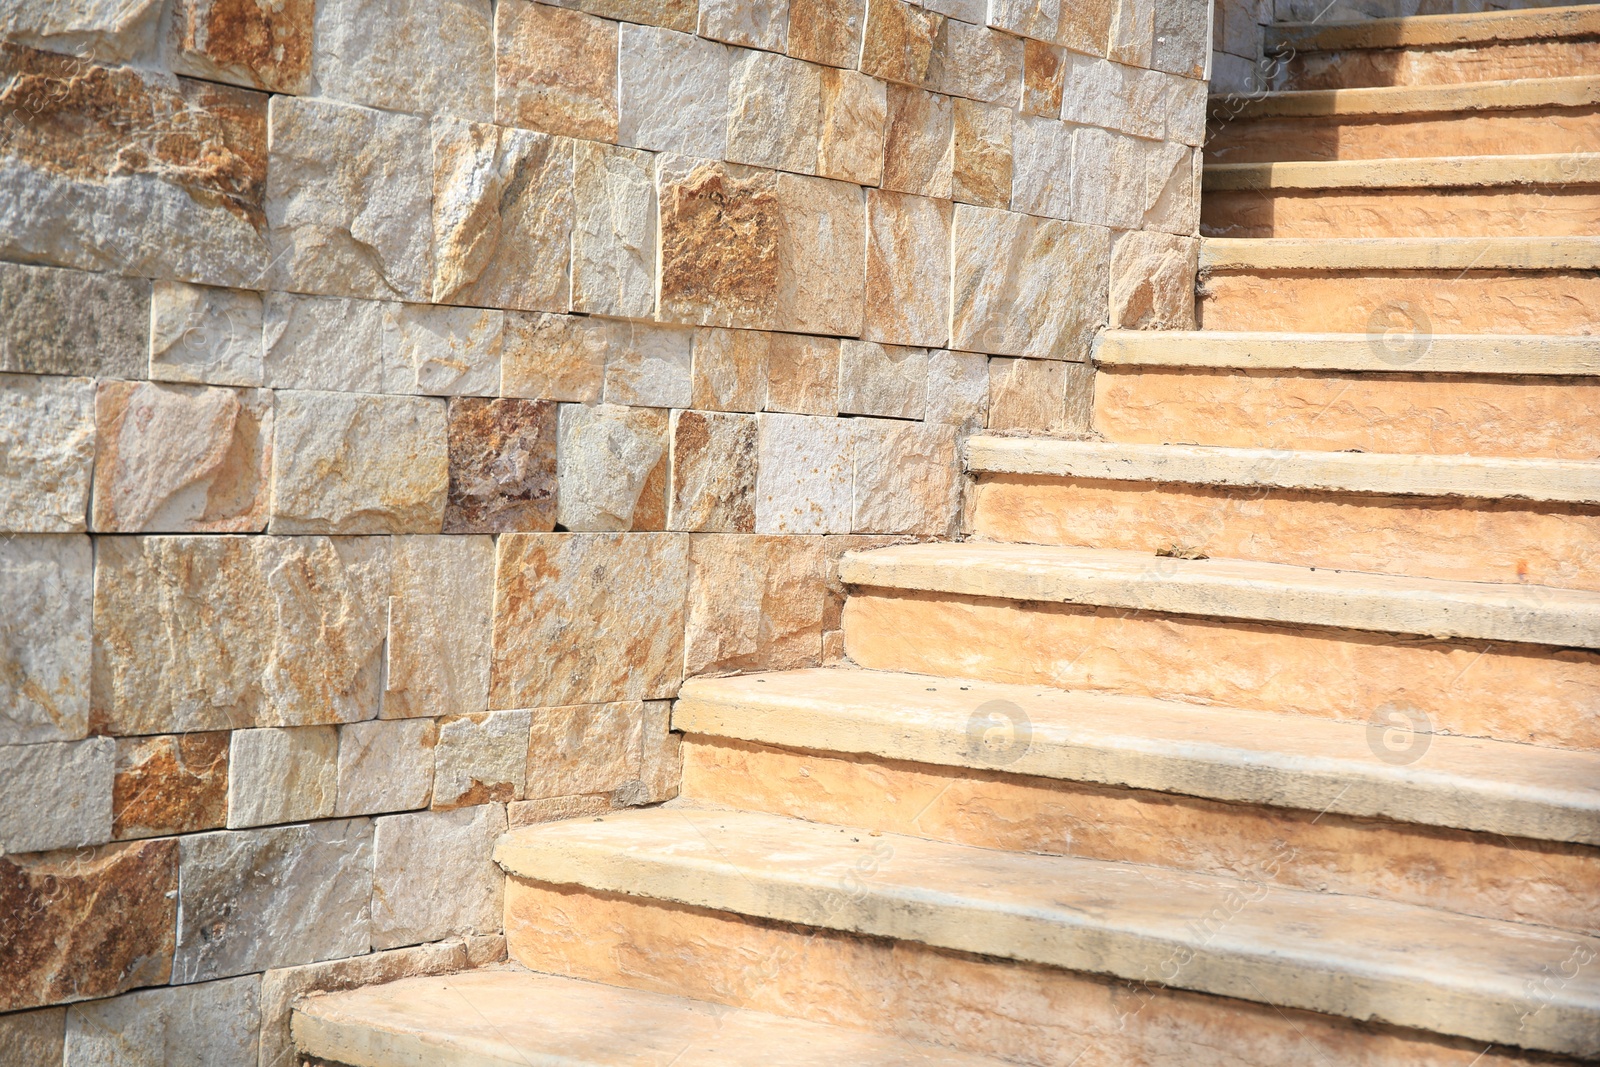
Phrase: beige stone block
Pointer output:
(385, 765)
(1027, 286)
(1182, 37)
(588, 618)
(441, 588)
(1086, 26)
(1184, 105)
(774, 105)
(205, 335)
(854, 114)
(662, 771)
(502, 465)
(886, 380)
(1078, 387)
(107, 29)
(981, 64)
(1039, 20)
(1027, 394)
(730, 370)
(1043, 78)
(803, 374)
(586, 749)
(481, 759)
(1153, 281)
(1133, 32)
(1171, 188)
(346, 189)
(919, 142)
(908, 271)
(260, 46)
(33, 1038)
(555, 809)
(672, 14)
(72, 322)
(324, 343)
(907, 477)
(181, 458)
(349, 463)
(1108, 178)
(674, 92)
(433, 876)
(1099, 92)
(833, 654)
(205, 1023)
(555, 70)
(421, 56)
(826, 31)
(46, 583)
(760, 24)
(47, 446)
(56, 795)
(612, 467)
(614, 234)
(982, 153)
(282, 775)
(1042, 180)
(958, 389)
(755, 603)
(713, 472)
(803, 486)
(904, 43)
(649, 365)
(553, 357)
(430, 350)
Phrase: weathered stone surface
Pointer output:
(33, 1038)
(850, 135)
(1027, 286)
(804, 480)
(205, 335)
(1027, 394)
(1171, 188)
(982, 154)
(502, 466)
(904, 43)
(826, 31)
(555, 809)
(254, 631)
(674, 92)
(108, 30)
(349, 463)
(614, 236)
(649, 365)
(345, 191)
(887, 380)
(553, 357)
(1152, 281)
(555, 70)
(586, 749)
(907, 477)
(385, 765)
(481, 759)
(1108, 178)
(181, 458)
(755, 603)
(502, 217)
(282, 775)
(919, 143)
(661, 772)
(1040, 21)
(1044, 168)
(421, 56)
(1086, 26)
(170, 784)
(774, 105)
(71, 322)
(1133, 32)
(612, 467)
(87, 923)
(713, 472)
(441, 351)
(440, 595)
(730, 370)
(1182, 37)
(188, 206)
(908, 271)
(1101, 93)
(56, 795)
(47, 445)
(327, 343)
(260, 46)
(274, 897)
(803, 375)
(433, 876)
(958, 389)
(1043, 76)
(751, 23)
(46, 583)
(211, 1023)
(981, 64)
(587, 618)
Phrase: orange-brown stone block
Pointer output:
(555, 70)
(242, 42)
(502, 465)
(170, 784)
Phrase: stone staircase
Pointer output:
(1263, 729)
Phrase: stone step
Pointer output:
(1356, 254)
(510, 1017)
(1338, 955)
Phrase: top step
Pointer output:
(1431, 31)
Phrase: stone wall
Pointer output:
(399, 398)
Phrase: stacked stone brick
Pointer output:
(399, 399)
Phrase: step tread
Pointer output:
(1420, 31)
(1236, 589)
(1221, 753)
(1562, 170)
(1476, 477)
(511, 1017)
(1491, 354)
(1399, 253)
(1519, 94)
(1349, 956)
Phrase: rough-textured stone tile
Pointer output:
(1152, 281)
(433, 875)
(72, 322)
(730, 370)
(326, 343)
(612, 467)
(674, 92)
(589, 748)
(1110, 95)
(481, 759)
(47, 445)
(385, 765)
(1133, 32)
(210, 1023)
(553, 357)
(981, 64)
(904, 43)
(908, 271)
(441, 351)
(347, 463)
(260, 46)
(56, 795)
(649, 365)
(1182, 37)
(1171, 188)
(33, 1038)
(282, 775)
(272, 897)
(502, 466)
(188, 207)
(555, 809)
(614, 235)
(907, 477)
(441, 589)
(1141, 183)
(958, 389)
(1043, 76)
(588, 618)
(886, 380)
(919, 143)
(346, 190)
(713, 472)
(803, 375)
(671, 14)
(854, 114)
(205, 335)
(755, 603)
(804, 481)
(1027, 394)
(826, 31)
(502, 217)
(1042, 179)
(87, 923)
(774, 105)
(760, 24)
(1086, 26)
(421, 56)
(170, 784)
(1027, 286)
(982, 154)
(108, 30)
(661, 771)
(1185, 109)
(555, 70)
(46, 582)
(1039, 20)
(181, 458)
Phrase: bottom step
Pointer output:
(515, 1018)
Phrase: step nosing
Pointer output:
(1554, 25)
(1393, 101)
(1345, 254)
(1530, 173)
(1494, 355)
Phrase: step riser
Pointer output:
(1359, 68)
(1505, 691)
(1035, 1015)
(1332, 411)
(1490, 133)
(1400, 213)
